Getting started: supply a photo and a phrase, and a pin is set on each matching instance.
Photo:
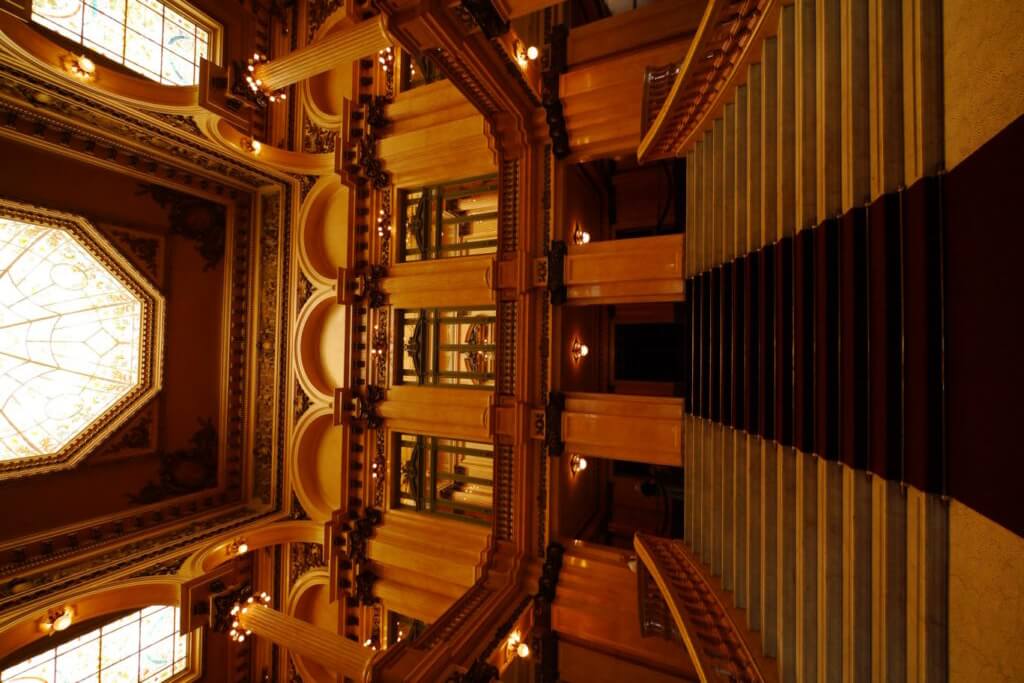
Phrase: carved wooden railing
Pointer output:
(658, 82)
(727, 32)
(714, 642)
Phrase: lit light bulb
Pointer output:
(256, 147)
(86, 65)
(523, 650)
(532, 52)
(585, 237)
(584, 350)
(243, 548)
(62, 622)
(583, 464)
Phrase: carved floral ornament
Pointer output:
(82, 333)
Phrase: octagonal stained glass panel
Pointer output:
(77, 338)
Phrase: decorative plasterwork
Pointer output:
(317, 140)
(304, 557)
(97, 248)
(43, 109)
(317, 12)
(49, 583)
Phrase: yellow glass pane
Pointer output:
(63, 16)
(79, 660)
(156, 657)
(114, 28)
(119, 644)
(145, 20)
(73, 665)
(103, 32)
(70, 334)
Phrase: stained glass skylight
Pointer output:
(70, 339)
(147, 36)
(143, 647)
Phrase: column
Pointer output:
(638, 428)
(639, 270)
(452, 413)
(337, 49)
(462, 281)
(332, 650)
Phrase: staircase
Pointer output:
(839, 572)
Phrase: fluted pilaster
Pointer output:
(337, 49)
(334, 651)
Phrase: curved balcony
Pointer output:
(726, 40)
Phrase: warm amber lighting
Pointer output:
(238, 547)
(515, 646)
(578, 351)
(580, 236)
(239, 632)
(58, 620)
(577, 463)
(79, 66)
(386, 58)
(521, 54)
(532, 53)
(256, 84)
(251, 145)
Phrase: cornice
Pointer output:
(44, 111)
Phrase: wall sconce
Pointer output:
(578, 351)
(580, 236)
(525, 55)
(250, 145)
(515, 647)
(256, 84)
(79, 66)
(577, 463)
(238, 547)
(57, 620)
(239, 632)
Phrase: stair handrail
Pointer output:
(714, 642)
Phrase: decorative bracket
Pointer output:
(364, 406)
(553, 423)
(367, 285)
(557, 64)
(363, 593)
(556, 272)
(347, 538)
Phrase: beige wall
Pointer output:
(983, 71)
(986, 599)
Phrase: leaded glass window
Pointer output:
(448, 346)
(142, 647)
(156, 40)
(72, 327)
(456, 219)
(450, 477)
